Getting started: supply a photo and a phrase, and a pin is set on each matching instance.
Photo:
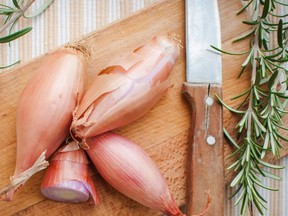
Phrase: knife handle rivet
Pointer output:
(210, 140)
(209, 101)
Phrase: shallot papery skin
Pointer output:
(128, 88)
(67, 178)
(129, 169)
(44, 113)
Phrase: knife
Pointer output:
(204, 81)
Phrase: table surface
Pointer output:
(69, 20)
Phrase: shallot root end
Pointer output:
(6, 194)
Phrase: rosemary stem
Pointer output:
(253, 79)
(16, 15)
(251, 99)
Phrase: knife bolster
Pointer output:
(205, 150)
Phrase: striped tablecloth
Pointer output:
(67, 20)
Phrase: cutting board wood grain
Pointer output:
(163, 132)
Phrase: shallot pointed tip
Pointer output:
(80, 46)
(177, 39)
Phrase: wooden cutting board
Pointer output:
(163, 132)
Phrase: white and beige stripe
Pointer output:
(64, 21)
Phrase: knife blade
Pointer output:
(204, 80)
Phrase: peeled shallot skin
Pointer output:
(127, 89)
(44, 112)
(129, 169)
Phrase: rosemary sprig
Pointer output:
(263, 104)
(12, 15)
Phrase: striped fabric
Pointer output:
(67, 20)
(64, 21)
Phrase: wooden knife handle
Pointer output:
(205, 151)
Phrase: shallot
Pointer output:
(44, 113)
(67, 178)
(129, 169)
(126, 90)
